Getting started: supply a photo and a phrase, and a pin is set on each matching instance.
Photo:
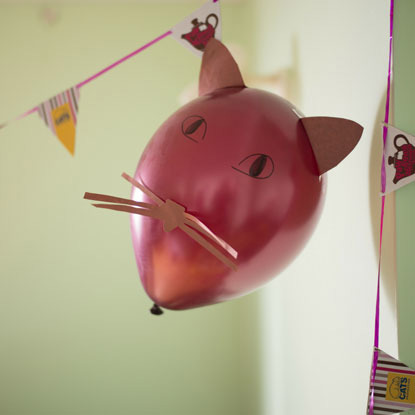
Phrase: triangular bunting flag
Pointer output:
(195, 30)
(60, 114)
(392, 390)
(399, 156)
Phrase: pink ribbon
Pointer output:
(98, 74)
(383, 186)
(118, 62)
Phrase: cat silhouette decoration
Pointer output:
(228, 190)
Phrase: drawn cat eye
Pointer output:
(257, 166)
(194, 128)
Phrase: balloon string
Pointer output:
(382, 214)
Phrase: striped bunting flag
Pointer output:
(60, 114)
(393, 386)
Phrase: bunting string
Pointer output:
(60, 113)
(122, 60)
(98, 74)
(371, 403)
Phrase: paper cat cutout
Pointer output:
(241, 164)
(404, 158)
(202, 32)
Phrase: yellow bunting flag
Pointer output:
(60, 114)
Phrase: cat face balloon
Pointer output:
(228, 190)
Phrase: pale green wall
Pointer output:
(76, 337)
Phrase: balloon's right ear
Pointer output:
(332, 139)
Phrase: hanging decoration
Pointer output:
(399, 159)
(246, 167)
(60, 112)
(389, 391)
(393, 385)
(196, 30)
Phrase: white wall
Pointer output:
(318, 316)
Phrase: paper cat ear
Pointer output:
(332, 139)
(219, 69)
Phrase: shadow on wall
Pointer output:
(388, 275)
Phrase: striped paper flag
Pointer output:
(60, 114)
(393, 387)
(195, 30)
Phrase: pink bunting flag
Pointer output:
(60, 114)
(197, 29)
(399, 158)
(392, 387)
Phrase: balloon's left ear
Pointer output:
(332, 139)
(219, 69)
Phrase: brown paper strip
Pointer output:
(171, 214)
(144, 189)
(202, 228)
(105, 198)
(199, 239)
(129, 209)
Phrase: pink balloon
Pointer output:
(242, 162)
(247, 171)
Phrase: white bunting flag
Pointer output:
(195, 30)
(399, 157)
(60, 114)
(392, 389)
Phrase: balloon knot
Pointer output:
(156, 310)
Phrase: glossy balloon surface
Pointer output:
(240, 161)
